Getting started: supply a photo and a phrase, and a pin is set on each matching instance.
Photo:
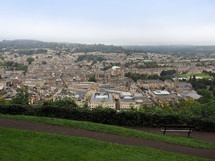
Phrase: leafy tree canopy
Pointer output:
(92, 79)
(30, 60)
(22, 97)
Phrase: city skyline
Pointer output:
(117, 22)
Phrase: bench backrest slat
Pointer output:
(178, 126)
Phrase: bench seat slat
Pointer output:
(176, 131)
(179, 126)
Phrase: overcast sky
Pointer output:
(118, 22)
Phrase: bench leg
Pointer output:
(164, 131)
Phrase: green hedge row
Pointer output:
(110, 116)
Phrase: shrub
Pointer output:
(156, 116)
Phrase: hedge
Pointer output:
(110, 116)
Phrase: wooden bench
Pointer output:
(178, 128)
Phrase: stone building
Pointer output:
(128, 100)
(162, 96)
(150, 84)
(117, 72)
(102, 99)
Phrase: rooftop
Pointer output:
(106, 86)
(124, 94)
(193, 94)
(101, 97)
(160, 92)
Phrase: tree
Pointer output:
(30, 60)
(213, 91)
(206, 95)
(61, 103)
(194, 78)
(44, 62)
(155, 76)
(131, 105)
(92, 79)
(22, 96)
(167, 73)
(193, 82)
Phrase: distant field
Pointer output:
(20, 145)
(184, 141)
(197, 75)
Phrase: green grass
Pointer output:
(197, 75)
(184, 141)
(22, 145)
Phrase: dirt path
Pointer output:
(35, 126)
(206, 136)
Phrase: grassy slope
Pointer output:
(185, 141)
(20, 145)
(197, 75)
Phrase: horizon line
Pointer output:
(107, 44)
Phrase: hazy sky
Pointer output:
(119, 22)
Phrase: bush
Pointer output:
(156, 116)
(13, 109)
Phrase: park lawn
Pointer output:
(110, 129)
(203, 75)
(23, 145)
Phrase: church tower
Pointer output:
(176, 85)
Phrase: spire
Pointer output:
(176, 85)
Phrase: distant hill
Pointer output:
(27, 44)
(99, 47)
(30, 44)
(181, 50)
